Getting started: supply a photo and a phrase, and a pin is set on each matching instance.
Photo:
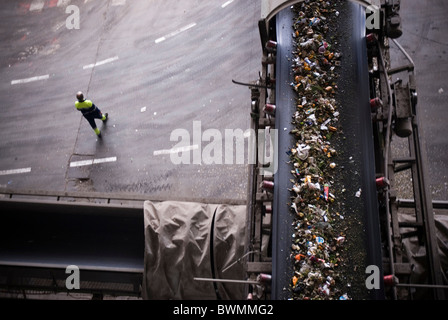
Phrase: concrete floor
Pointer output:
(174, 61)
(160, 66)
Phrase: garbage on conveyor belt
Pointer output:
(316, 243)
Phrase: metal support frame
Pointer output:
(43, 233)
(101, 198)
(42, 279)
(259, 201)
(398, 115)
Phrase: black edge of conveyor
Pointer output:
(366, 141)
(355, 98)
(282, 218)
(356, 122)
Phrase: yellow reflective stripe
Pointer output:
(83, 105)
(97, 131)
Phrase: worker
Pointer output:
(90, 111)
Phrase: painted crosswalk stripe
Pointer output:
(14, 171)
(99, 63)
(175, 33)
(176, 150)
(118, 2)
(226, 4)
(92, 162)
(38, 78)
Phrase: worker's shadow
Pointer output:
(102, 142)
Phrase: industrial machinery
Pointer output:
(388, 110)
(366, 256)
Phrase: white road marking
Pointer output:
(45, 77)
(91, 162)
(175, 33)
(226, 4)
(118, 2)
(176, 150)
(59, 26)
(105, 160)
(14, 171)
(99, 63)
(37, 5)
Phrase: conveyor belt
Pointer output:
(282, 218)
(363, 236)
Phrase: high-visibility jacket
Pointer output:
(85, 106)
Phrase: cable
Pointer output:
(405, 53)
(238, 260)
(386, 162)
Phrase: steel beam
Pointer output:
(42, 238)
(54, 197)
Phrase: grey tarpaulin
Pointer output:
(416, 253)
(185, 240)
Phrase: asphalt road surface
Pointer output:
(155, 66)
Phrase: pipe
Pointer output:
(405, 53)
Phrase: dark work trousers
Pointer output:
(91, 116)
